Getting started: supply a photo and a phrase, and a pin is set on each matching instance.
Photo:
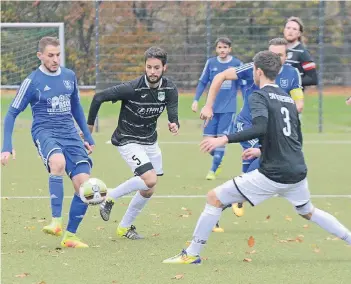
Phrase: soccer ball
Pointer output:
(93, 191)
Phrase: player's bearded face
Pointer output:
(292, 31)
(50, 58)
(154, 70)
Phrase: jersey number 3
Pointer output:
(287, 128)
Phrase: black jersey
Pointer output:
(282, 159)
(140, 109)
(299, 57)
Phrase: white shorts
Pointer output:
(142, 158)
(255, 188)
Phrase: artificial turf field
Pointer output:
(287, 248)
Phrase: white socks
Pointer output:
(331, 224)
(208, 219)
(132, 184)
(138, 202)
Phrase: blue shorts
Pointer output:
(253, 143)
(73, 150)
(221, 124)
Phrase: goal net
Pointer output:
(19, 45)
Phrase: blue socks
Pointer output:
(76, 213)
(56, 195)
(217, 158)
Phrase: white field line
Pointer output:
(320, 142)
(172, 196)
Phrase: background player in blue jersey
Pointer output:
(53, 94)
(288, 79)
(225, 104)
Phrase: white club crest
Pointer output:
(161, 96)
(68, 84)
(284, 83)
(289, 55)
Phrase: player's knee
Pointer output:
(305, 210)
(57, 164)
(213, 200)
(150, 178)
(147, 193)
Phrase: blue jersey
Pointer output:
(288, 79)
(226, 99)
(52, 98)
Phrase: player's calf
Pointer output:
(324, 220)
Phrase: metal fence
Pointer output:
(187, 31)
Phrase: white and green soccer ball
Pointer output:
(93, 191)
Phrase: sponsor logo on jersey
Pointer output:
(68, 84)
(47, 88)
(59, 104)
(284, 83)
(144, 95)
(161, 96)
(289, 55)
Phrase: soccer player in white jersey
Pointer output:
(53, 94)
(283, 170)
(143, 101)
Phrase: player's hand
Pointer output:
(91, 128)
(251, 153)
(89, 147)
(211, 143)
(173, 127)
(194, 106)
(206, 114)
(5, 156)
(348, 101)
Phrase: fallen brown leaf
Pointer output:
(184, 215)
(22, 275)
(178, 277)
(251, 241)
(268, 217)
(41, 282)
(305, 226)
(204, 258)
(251, 252)
(100, 228)
(20, 251)
(288, 218)
(156, 234)
(247, 259)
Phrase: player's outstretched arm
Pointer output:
(9, 124)
(113, 94)
(207, 111)
(348, 101)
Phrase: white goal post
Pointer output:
(7, 26)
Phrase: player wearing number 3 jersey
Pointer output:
(143, 101)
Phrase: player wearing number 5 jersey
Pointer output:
(143, 101)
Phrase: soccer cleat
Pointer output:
(238, 209)
(219, 170)
(54, 228)
(217, 229)
(129, 233)
(70, 240)
(105, 209)
(183, 258)
(211, 175)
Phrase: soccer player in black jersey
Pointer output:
(299, 57)
(143, 101)
(282, 172)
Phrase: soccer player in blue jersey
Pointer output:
(225, 104)
(53, 94)
(288, 79)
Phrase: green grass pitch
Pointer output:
(29, 256)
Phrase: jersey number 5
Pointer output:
(134, 158)
(285, 113)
